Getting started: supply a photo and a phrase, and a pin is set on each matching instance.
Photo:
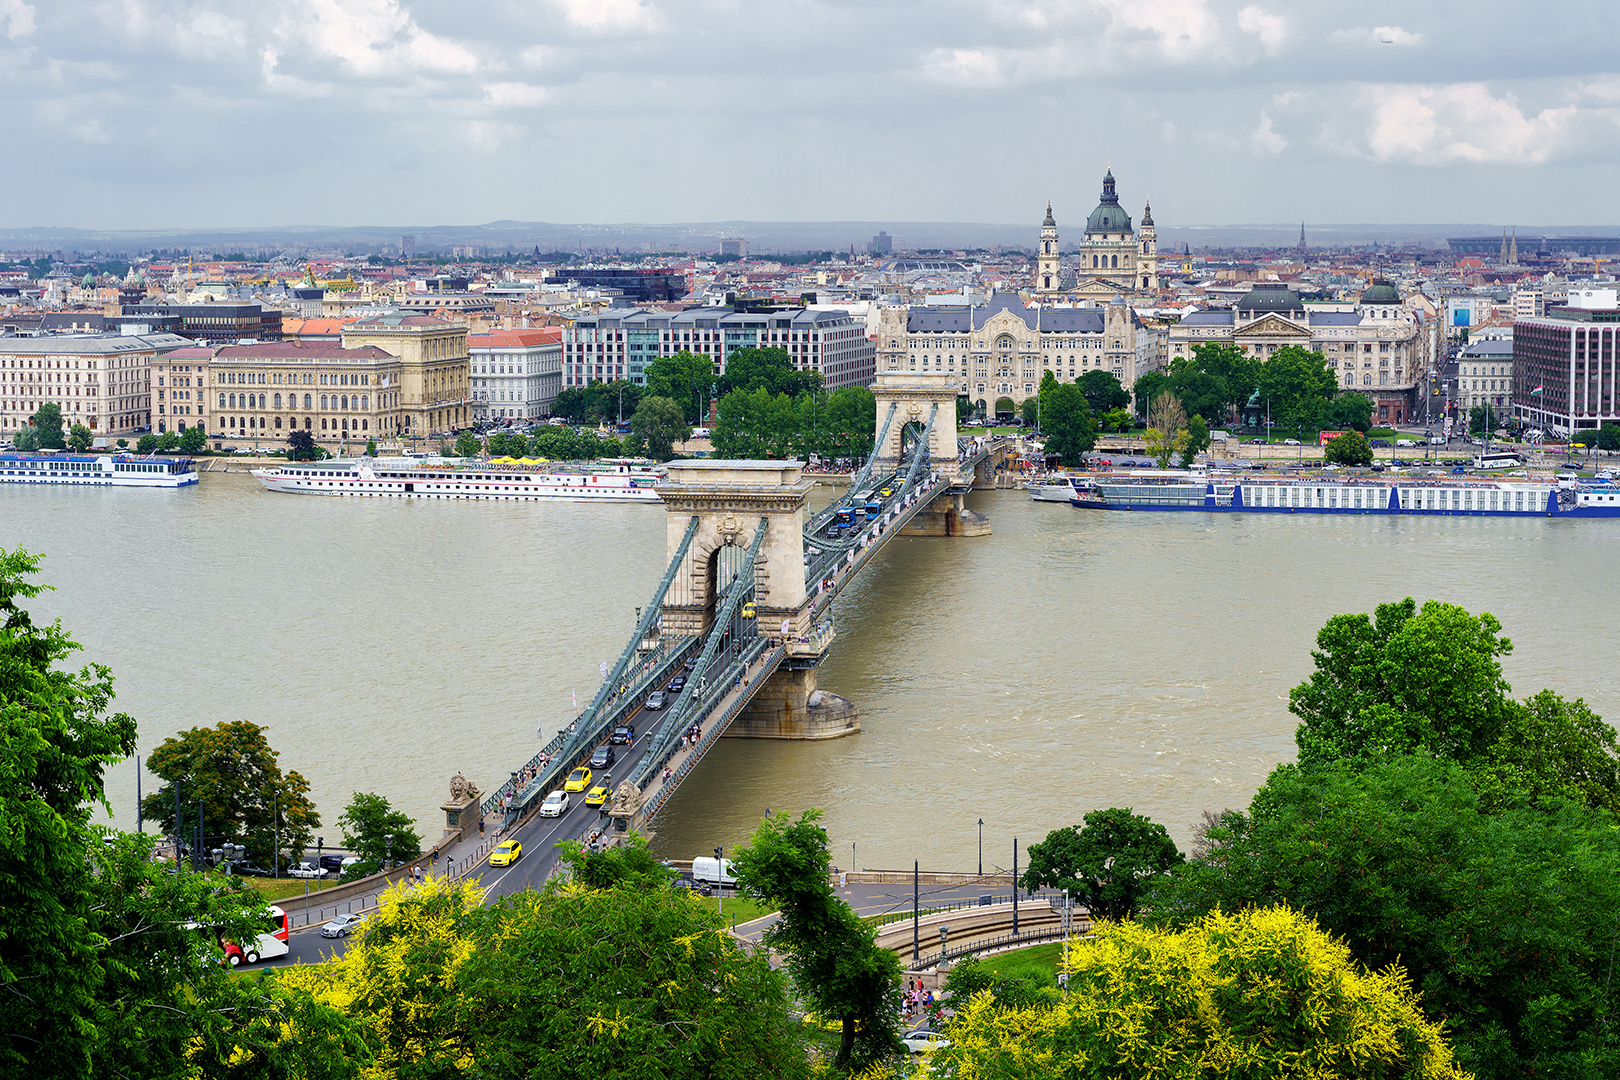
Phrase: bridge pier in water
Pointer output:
(730, 498)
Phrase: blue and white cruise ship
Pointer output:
(1323, 495)
(96, 470)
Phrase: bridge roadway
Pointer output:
(740, 663)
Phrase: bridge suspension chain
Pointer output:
(677, 717)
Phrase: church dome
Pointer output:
(1109, 217)
(1270, 296)
(1381, 292)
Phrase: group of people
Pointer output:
(918, 1000)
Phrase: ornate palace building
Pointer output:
(1111, 260)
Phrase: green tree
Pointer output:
(1029, 410)
(193, 440)
(1549, 750)
(47, 423)
(1200, 393)
(849, 423)
(79, 439)
(1402, 680)
(1351, 412)
(1197, 440)
(755, 424)
(1103, 390)
(570, 404)
(1299, 385)
(1237, 373)
(467, 445)
(832, 955)
(1116, 420)
(300, 447)
(638, 980)
(503, 444)
(1071, 430)
(1504, 921)
(27, 440)
(168, 441)
(1149, 385)
(1166, 434)
(368, 821)
(1609, 438)
(1481, 420)
(371, 447)
(770, 369)
(1107, 864)
(660, 423)
(685, 378)
(146, 444)
(101, 976)
(1351, 448)
(231, 771)
(1264, 995)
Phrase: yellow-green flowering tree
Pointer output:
(1263, 994)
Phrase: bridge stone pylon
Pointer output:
(729, 498)
(914, 393)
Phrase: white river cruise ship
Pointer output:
(435, 478)
(96, 470)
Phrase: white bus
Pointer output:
(1505, 459)
(271, 943)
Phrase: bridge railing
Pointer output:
(714, 723)
(741, 589)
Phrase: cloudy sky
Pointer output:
(218, 113)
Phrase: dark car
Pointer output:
(623, 735)
(690, 663)
(702, 888)
(332, 864)
(603, 757)
(247, 869)
(677, 684)
(1257, 442)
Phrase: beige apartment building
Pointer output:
(435, 368)
(102, 381)
(264, 391)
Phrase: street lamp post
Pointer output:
(981, 847)
(720, 879)
(388, 857)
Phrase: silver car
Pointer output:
(342, 925)
(554, 806)
(655, 700)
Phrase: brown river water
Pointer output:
(1071, 660)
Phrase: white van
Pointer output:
(1405, 443)
(714, 871)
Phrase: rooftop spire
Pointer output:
(1147, 214)
(1049, 219)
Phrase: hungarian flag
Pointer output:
(1537, 390)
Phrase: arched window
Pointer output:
(278, 405)
(345, 424)
(233, 401)
(278, 423)
(323, 423)
(345, 401)
(1094, 262)
(307, 405)
(307, 420)
(365, 401)
(365, 425)
(1116, 263)
(323, 406)
(222, 401)
(1366, 380)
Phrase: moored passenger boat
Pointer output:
(431, 478)
(96, 470)
(1321, 495)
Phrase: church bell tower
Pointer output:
(1147, 262)
(1048, 269)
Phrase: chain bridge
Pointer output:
(729, 642)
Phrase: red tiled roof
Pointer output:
(508, 339)
(295, 327)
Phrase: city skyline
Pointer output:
(207, 114)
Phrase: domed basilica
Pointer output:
(1111, 260)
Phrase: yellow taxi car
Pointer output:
(597, 795)
(578, 780)
(748, 610)
(506, 853)
(886, 492)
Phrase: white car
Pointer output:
(922, 1040)
(304, 870)
(554, 806)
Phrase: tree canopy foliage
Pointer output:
(47, 425)
(686, 379)
(659, 424)
(100, 973)
(770, 369)
(231, 770)
(1351, 448)
(1106, 864)
(832, 955)
(368, 822)
(1068, 422)
(1264, 994)
(1298, 385)
(758, 424)
(609, 972)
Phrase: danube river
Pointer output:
(1071, 660)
